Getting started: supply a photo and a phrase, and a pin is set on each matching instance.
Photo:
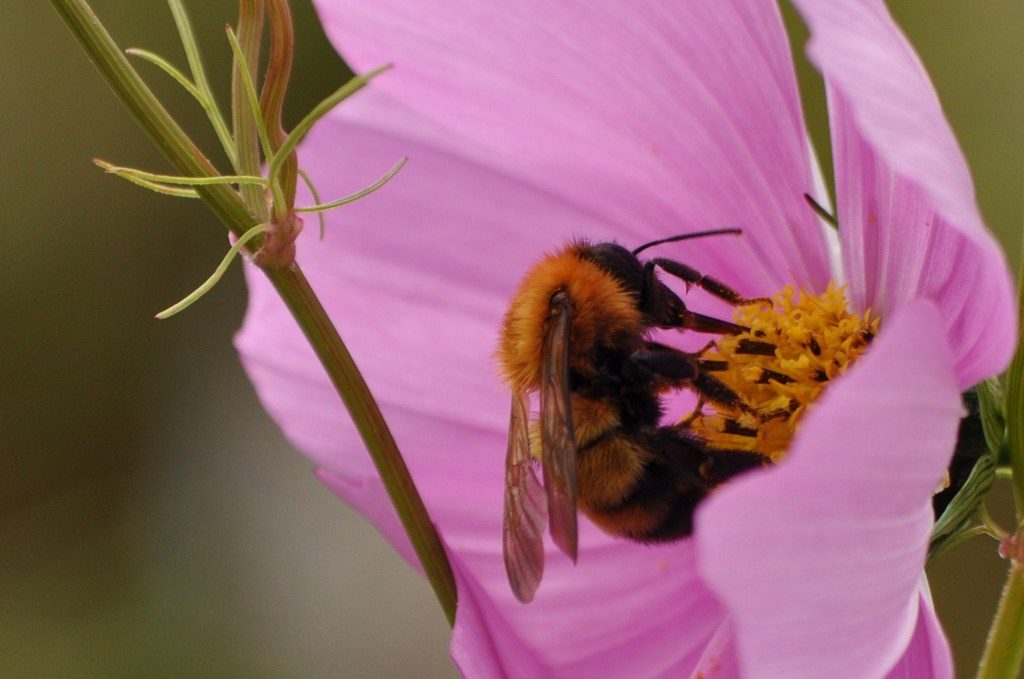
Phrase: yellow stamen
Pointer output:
(780, 366)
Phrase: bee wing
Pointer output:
(525, 508)
(558, 440)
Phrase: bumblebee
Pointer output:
(577, 331)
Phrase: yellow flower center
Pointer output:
(779, 367)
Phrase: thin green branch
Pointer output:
(168, 68)
(189, 44)
(362, 193)
(218, 273)
(992, 411)
(354, 84)
(965, 507)
(250, 91)
(195, 62)
(170, 140)
(990, 525)
(173, 191)
(957, 539)
(308, 181)
(249, 36)
(133, 174)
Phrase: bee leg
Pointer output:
(691, 276)
(683, 452)
(667, 310)
(721, 465)
(716, 464)
(697, 355)
(701, 466)
(679, 369)
(698, 410)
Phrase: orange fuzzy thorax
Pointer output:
(601, 310)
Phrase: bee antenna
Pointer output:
(687, 236)
(820, 210)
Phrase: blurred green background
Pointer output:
(153, 521)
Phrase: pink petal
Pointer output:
(625, 610)
(910, 224)
(532, 133)
(664, 614)
(819, 560)
(928, 654)
(417, 277)
(655, 118)
(719, 660)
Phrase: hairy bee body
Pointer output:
(606, 325)
(577, 331)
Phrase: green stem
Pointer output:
(290, 283)
(275, 86)
(1005, 648)
(1015, 406)
(305, 307)
(246, 121)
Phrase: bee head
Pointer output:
(619, 262)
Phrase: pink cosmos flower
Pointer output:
(533, 121)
